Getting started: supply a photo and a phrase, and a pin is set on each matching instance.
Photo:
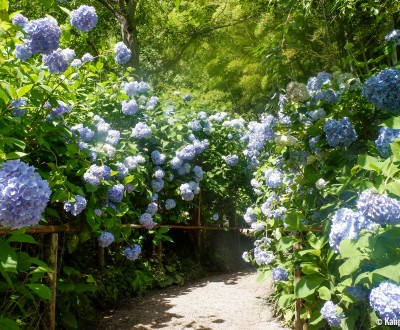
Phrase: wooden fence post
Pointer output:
(52, 262)
(101, 257)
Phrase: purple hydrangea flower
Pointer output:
(16, 105)
(84, 18)
(152, 208)
(56, 61)
(57, 112)
(116, 193)
(273, 178)
(132, 252)
(94, 175)
(106, 239)
(187, 153)
(386, 136)
(176, 163)
(43, 35)
(157, 157)
(22, 52)
(20, 20)
(122, 53)
(231, 160)
(24, 195)
(157, 185)
(76, 207)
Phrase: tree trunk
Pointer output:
(129, 32)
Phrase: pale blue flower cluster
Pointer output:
(129, 108)
(187, 97)
(347, 224)
(84, 18)
(383, 90)
(151, 103)
(198, 173)
(131, 88)
(85, 133)
(340, 132)
(106, 239)
(273, 178)
(113, 137)
(378, 208)
(152, 208)
(385, 300)
(94, 175)
(270, 209)
(76, 63)
(116, 193)
(122, 53)
(157, 157)
(315, 84)
(157, 184)
(215, 216)
(218, 117)
(22, 52)
(393, 36)
(132, 162)
(159, 173)
(188, 190)
(188, 152)
(146, 220)
(327, 96)
(249, 216)
(257, 226)
(263, 257)
(330, 313)
(123, 171)
(87, 58)
(316, 115)
(24, 195)
(386, 136)
(133, 252)
(57, 112)
(141, 131)
(231, 160)
(279, 274)
(246, 256)
(170, 204)
(76, 207)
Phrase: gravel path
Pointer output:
(230, 301)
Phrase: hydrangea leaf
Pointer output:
(43, 291)
(307, 285)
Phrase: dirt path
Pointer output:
(229, 301)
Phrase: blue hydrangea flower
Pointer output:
(280, 274)
(76, 207)
(200, 146)
(141, 131)
(123, 171)
(327, 96)
(187, 97)
(87, 58)
(386, 136)
(151, 103)
(330, 313)
(187, 153)
(113, 137)
(195, 126)
(22, 52)
(157, 184)
(249, 216)
(347, 224)
(186, 192)
(198, 172)
(20, 20)
(315, 84)
(340, 132)
(157, 157)
(94, 175)
(257, 226)
(16, 105)
(76, 63)
(133, 252)
(85, 133)
(393, 36)
(273, 178)
(129, 108)
(116, 193)
(383, 90)
(231, 160)
(129, 187)
(146, 220)
(152, 208)
(43, 35)
(379, 208)
(84, 18)
(159, 173)
(106, 239)
(122, 53)
(130, 88)
(358, 292)
(215, 216)
(263, 257)
(57, 112)
(69, 54)
(170, 204)
(385, 300)
(176, 163)
(24, 195)
(246, 256)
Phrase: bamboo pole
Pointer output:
(52, 262)
(44, 230)
(101, 258)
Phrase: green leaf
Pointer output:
(286, 243)
(4, 5)
(393, 123)
(8, 258)
(16, 155)
(395, 147)
(349, 266)
(8, 324)
(324, 293)
(41, 290)
(65, 10)
(22, 238)
(390, 272)
(394, 188)
(370, 163)
(23, 90)
(47, 3)
(307, 285)
(12, 141)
